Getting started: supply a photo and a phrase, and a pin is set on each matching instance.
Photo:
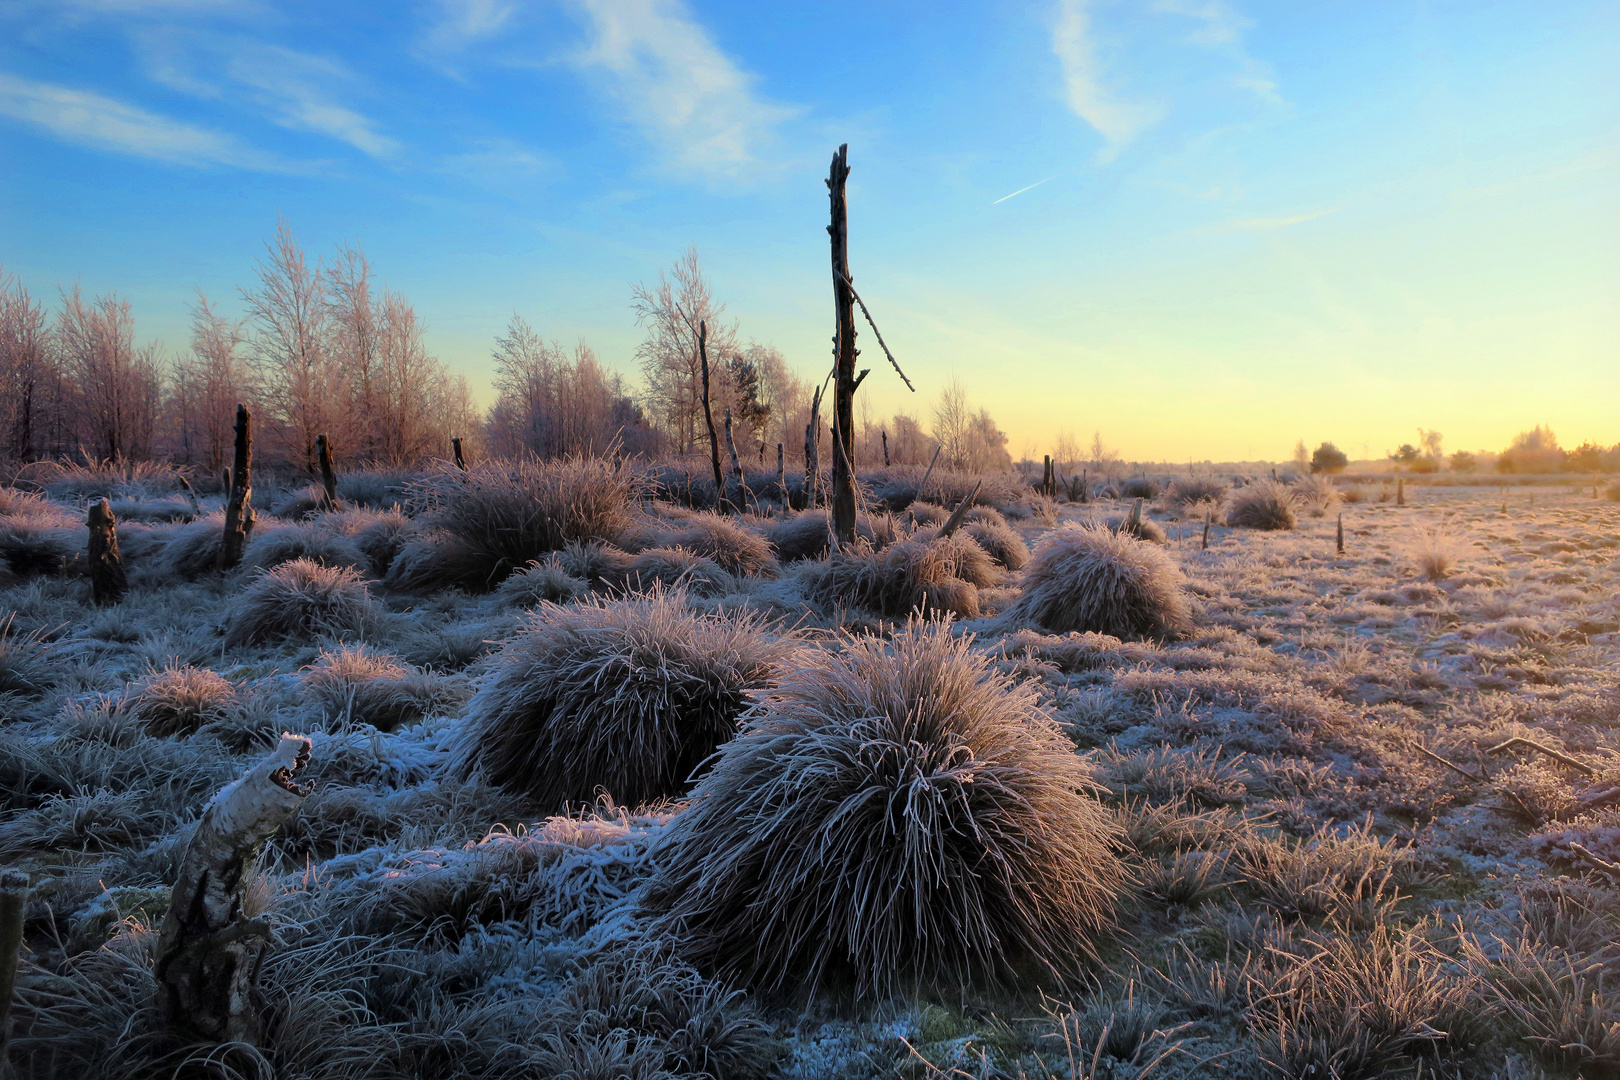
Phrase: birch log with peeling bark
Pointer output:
(108, 582)
(209, 950)
(736, 466)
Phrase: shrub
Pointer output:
(272, 547)
(1264, 504)
(916, 574)
(1087, 579)
(623, 696)
(180, 699)
(897, 810)
(300, 600)
(503, 515)
(1000, 542)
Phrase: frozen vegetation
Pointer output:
(601, 785)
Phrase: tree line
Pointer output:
(324, 348)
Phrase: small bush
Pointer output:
(1264, 504)
(895, 811)
(1087, 579)
(301, 600)
(503, 515)
(179, 700)
(623, 696)
(1140, 487)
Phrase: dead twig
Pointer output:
(954, 522)
(1607, 866)
(1530, 744)
(1452, 765)
(876, 333)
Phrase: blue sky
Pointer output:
(1205, 229)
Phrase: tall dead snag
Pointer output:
(708, 414)
(108, 582)
(323, 454)
(13, 899)
(209, 949)
(781, 473)
(812, 462)
(885, 434)
(239, 505)
(461, 462)
(843, 477)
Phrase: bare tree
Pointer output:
(208, 384)
(670, 366)
(952, 421)
(120, 387)
(26, 370)
(551, 404)
(354, 343)
(303, 388)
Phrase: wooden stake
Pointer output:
(191, 497)
(461, 462)
(208, 952)
(13, 900)
(108, 582)
(843, 479)
(1209, 516)
(954, 522)
(1341, 533)
(885, 435)
(921, 488)
(323, 453)
(1400, 492)
(781, 473)
(812, 464)
(239, 505)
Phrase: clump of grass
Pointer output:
(807, 535)
(272, 547)
(192, 550)
(1140, 487)
(499, 516)
(34, 546)
(379, 535)
(897, 811)
(1315, 495)
(735, 549)
(180, 699)
(671, 567)
(618, 696)
(1435, 552)
(1186, 492)
(919, 574)
(358, 683)
(1612, 492)
(1089, 579)
(1264, 504)
(545, 581)
(999, 541)
(301, 600)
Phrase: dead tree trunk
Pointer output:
(209, 950)
(954, 522)
(885, 435)
(1341, 534)
(812, 463)
(13, 899)
(461, 462)
(781, 474)
(323, 453)
(843, 478)
(736, 466)
(239, 504)
(108, 582)
(708, 416)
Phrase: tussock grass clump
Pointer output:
(737, 550)
(302, 600)
(301, 503)
(272, 547)
(503, 515)
(1264, 504)
(1000, 542)
(180, 699)
(1188, 491)
(806, 535)
(927, 513)
(192, 550)
(33, 546)
(622, 696)
(898, 811)
(916, 574)
(1315, 495)
(541, 582)
(1140, 487)
(1087, 579)
(355, 682)
(671, 567)
(16, 503)
(1143, 528)
(1435, 553)
(378, 534)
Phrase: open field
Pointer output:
(1268, 830)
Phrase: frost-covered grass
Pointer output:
(1330, 872)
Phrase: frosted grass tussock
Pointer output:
(1264, 504)
(354, 682)
(274, 546)
(737, 550)
(180, 699)
(301, 600)
(621, 696)
(1000, 542)
(915, 575)
(896, 812)
(1088, 579)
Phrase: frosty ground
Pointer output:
(1326, 871)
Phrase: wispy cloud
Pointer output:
(1219, 26)
(1021, 190)
(1116, 120)
(674, 84)
(89, 119)
(462, 22)
(1266, 224)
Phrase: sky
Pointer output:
(1206, 230)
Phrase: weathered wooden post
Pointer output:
(885, 434)
(461, 462)
(812, 460)
(323, 453)
(1341, 533)
(843, 478)
(1209, 515)
(781, 474)
(108, 582)
(954, 522)
(208, 951)
(13, 900)
(239, 504)
(1400, 492)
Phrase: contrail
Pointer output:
(1021, 190)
